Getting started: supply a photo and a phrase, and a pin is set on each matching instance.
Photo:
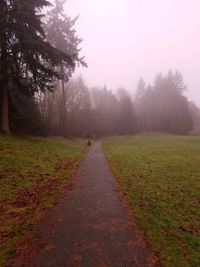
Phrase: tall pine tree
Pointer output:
(27, 61)
(61, 33)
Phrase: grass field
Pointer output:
(160, 175)
(32, 173)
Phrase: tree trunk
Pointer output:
(64, 112)
(4, 111)
(50, 101)
(4, 127)
(64, 109)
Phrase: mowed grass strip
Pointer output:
(160, 175)
(33, 171)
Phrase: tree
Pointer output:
(195, 113)
(126, 113)
(27, 61)
(105, 111)
(61, 33)
(163, 106)
(179, 83)
(78, 108)
(175, 115)
(141, 89)
(25, 116)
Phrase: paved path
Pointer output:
(93, 226)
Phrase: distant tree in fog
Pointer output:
(77, 105)
(195, 113)
(141, 89)
(127, 118)
(105, 111)
(79, 111)
(163, 107)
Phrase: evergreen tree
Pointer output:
(61, 33)
(27, 61)
(179, 83)
(141, 89)
(163, 106)
(126, 113)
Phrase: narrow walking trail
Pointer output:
(92, 227)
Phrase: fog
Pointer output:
(124, 40)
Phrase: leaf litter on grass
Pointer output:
(32, 173)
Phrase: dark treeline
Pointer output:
(38, 55)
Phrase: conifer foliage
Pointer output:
(61, 34)
(27, 60)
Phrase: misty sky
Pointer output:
(127, 39)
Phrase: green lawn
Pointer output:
(33, 171)
(160, 175)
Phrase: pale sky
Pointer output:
(124, 40)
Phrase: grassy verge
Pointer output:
(32, 173)
(161, 179)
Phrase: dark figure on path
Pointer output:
(89, 143)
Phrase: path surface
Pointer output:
(92, 227)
